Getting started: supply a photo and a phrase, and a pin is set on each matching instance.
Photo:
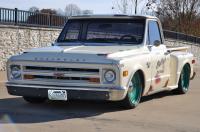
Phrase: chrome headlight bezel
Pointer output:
(109, 76)
(15, 72)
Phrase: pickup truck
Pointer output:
(102, 57)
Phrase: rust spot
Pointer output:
(166, 83)
(150, 90)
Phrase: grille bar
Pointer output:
(34, 68)
(58, 74)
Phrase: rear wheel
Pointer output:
(34, 100)
(184, 81)
(134, 93)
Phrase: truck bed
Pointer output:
(176, 48)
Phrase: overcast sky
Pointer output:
(98, 6)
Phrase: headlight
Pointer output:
(110, 76)
(15, 72)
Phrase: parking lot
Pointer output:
(164, 112)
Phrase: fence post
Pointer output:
(50, 19)
(16, 16)
(0, 14)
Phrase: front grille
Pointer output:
(27, 68)
(61, 74)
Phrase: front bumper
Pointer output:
(114, 94)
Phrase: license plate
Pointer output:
(57, 95)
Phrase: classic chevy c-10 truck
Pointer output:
(111, 57)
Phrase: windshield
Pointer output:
(104, 31)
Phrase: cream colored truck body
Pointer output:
(160, 66)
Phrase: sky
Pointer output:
(98, 6)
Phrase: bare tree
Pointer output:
(60, 12)
(72, 10)
(123, 6)
(151, 8)
(48, 11)
(87, 12)
(34, 9)
(177, 7)
(178, 15)
(126, 6)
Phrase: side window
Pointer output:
(153, 32)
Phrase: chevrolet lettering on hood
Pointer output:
(111, 57)
(58, 59)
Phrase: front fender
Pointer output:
(133, 71)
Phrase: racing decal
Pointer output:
(148, 64)
(160, 67)
(157, 79)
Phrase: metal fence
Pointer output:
(27, 18)
(181, 37)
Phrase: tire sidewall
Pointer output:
(128, 98)
(185, 72)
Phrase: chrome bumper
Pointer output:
(112, 94)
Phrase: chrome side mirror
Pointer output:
(157, 43)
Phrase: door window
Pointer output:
(153, 32)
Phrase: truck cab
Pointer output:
(102, 57)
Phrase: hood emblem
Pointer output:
(59, 75)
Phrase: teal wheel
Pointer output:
(134, 93)
(184, 80)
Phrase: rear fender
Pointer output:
(177, 62)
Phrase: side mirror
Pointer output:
(157, 43)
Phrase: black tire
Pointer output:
(34, 100)
(184, 80)
(134, 94)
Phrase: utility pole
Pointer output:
(136, 2)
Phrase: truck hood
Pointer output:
(83, 49)
(77, 54)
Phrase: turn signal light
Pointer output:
(193, 61)
(125, 73)
(94, 80)
(28, 77)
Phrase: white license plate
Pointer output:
(57, 95)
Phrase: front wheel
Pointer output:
(34, 100)
(134, 93)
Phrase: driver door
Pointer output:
(160, 72)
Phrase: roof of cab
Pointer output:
(115, 16)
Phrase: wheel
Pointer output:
(34, 100)
(134, 93)
(184, 81)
